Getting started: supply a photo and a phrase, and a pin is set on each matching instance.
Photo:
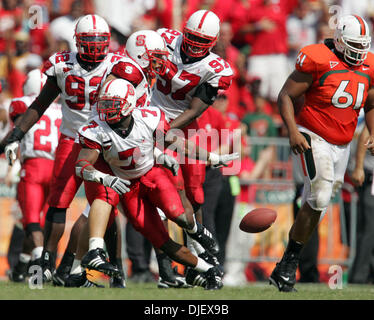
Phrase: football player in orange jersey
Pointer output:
(335, 78)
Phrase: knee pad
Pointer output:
(320, 198)
(56, 215)
(32, 227)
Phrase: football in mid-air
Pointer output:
(258, 220)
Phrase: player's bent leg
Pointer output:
(113, 240)
(63, 270)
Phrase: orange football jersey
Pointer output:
(338, 92)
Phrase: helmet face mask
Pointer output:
(352, 39)
(92, 38)
(116, 101)
(110, 109)
(147, 48)
(195, 44)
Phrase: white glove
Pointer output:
(11, 152)
(117, 184)
(217, 160)
(169, 162)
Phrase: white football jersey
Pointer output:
(130, 157)
(42, 139)
(127, 69)
(78, 87)
(173, 91)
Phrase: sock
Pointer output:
(194, 229)
(24, 258)
(202, 265)
(76, 268)
(36, 253)
(94, 243)
(294, 248)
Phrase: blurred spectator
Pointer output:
(13, 63)
(41, 40)
(236, 59)
(259, 123)
(362, 177)
(266, 22)
(125, 16)
(10, 21)
(62, 28)
(301, 29)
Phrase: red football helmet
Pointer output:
(92, 36)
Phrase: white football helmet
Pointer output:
(116, 100)
(34, 82)
(148, 49)
(92, 36)
(352, 39)
(200, 33)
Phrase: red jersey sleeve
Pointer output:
(16, 108)
(127, 71)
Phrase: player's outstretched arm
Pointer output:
(193, 151)
(295, 86)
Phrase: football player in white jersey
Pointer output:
(189, 85)
(126, 138)
(75, 76)
(37, 154)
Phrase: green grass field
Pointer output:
(256, 291)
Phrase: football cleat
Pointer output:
(213, 279)
(175, 281)
(205, 238)
(211, 259)
(80, 280)
(96, 260)
(118, 281)
(18, 274)
(48, 265)
(195, 278)
(283, 276)
(61, 274)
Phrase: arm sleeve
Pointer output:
(206, 92)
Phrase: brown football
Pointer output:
(258, 220)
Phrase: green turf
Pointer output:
(256, 291)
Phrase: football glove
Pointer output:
(169, 162)
(218, 161)
(121, 186)
(11, 152)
